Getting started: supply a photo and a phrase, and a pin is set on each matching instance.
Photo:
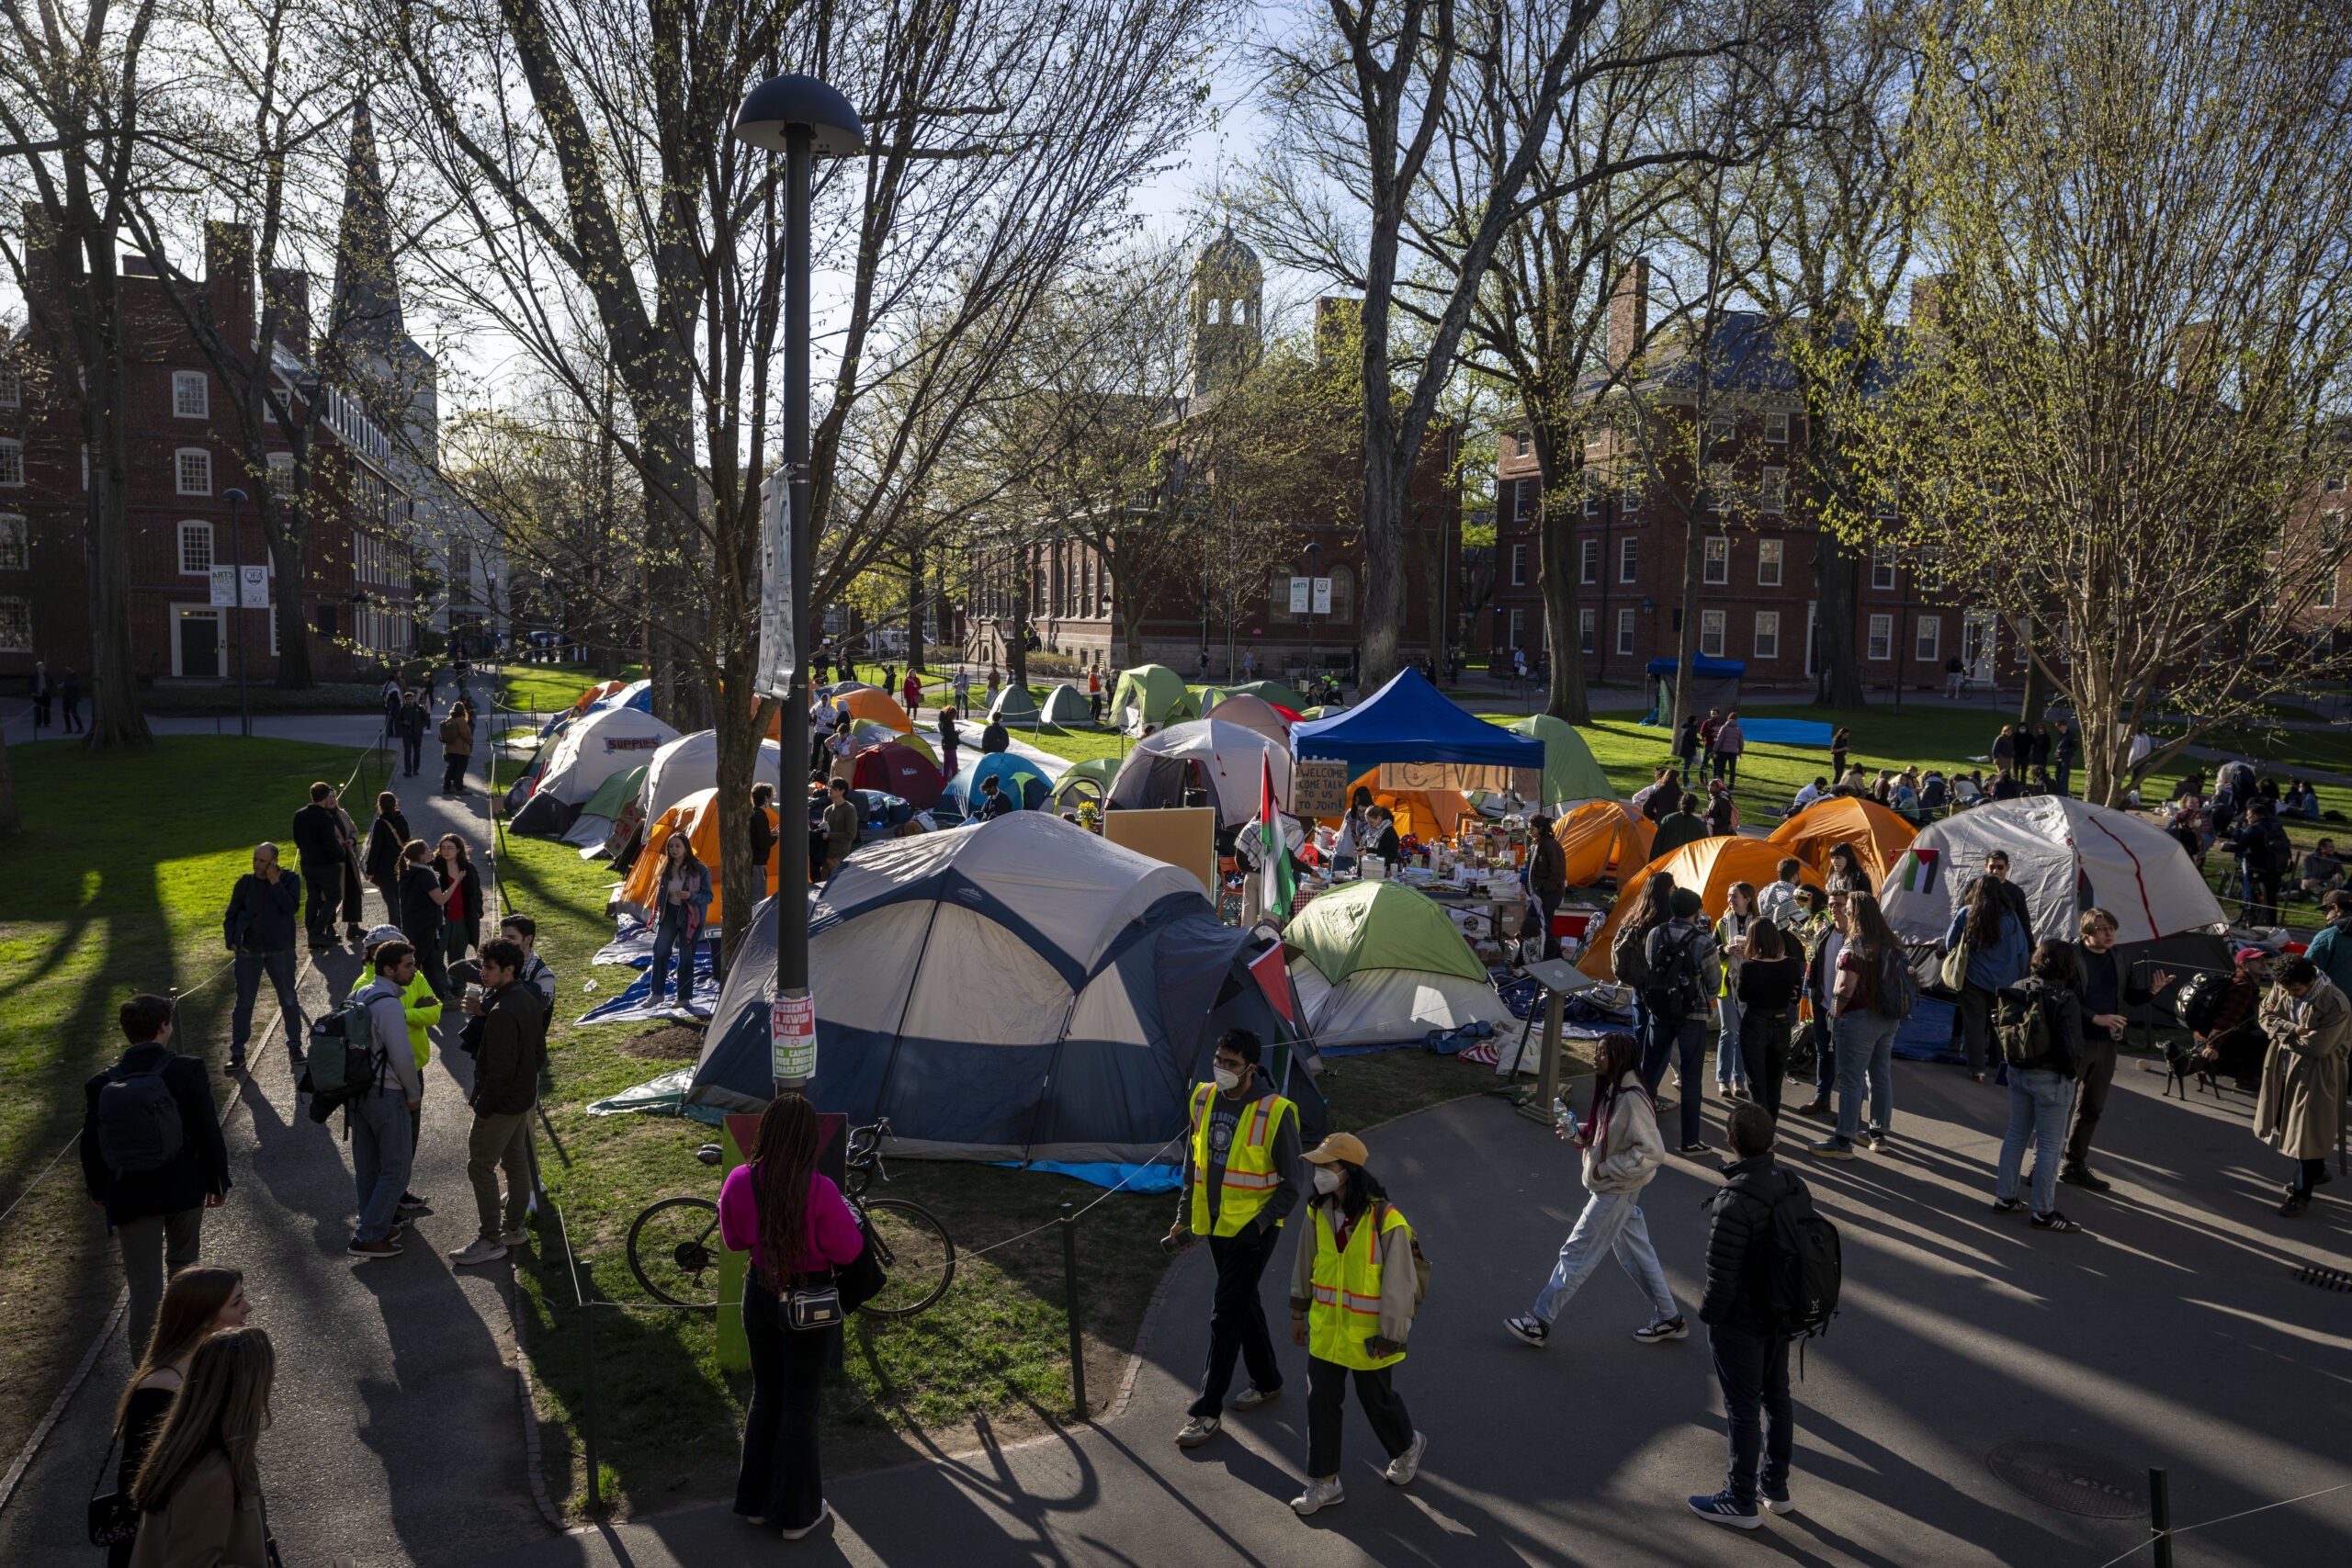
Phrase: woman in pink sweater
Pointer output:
(798, 1228)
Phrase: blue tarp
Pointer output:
(636, 1000)
(1703, 668)
(1408, 720)
(1925, 1035)
(1785, 732)
(1133, 1177)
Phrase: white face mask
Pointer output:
(1326, 1179)
(1228, 1081)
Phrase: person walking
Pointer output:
(1772, 974)
(961, 688)
(1241, 1169)
(2300, 1108)
(318, 838)
(2102, 992)
(41, 689)
(198, 1304)
(69, 700)
(380, 1119)
(1354, 1287)
(461, 905)
(258, 928)
(422, 921)
(390, 697)
(1841, 740)
(1955, 676)
(152, 1157)
(914, 695)
(798, 1228)
(388, 835)
(1873, 996)
(1686, 746)
(2042, 1038)
(457, 734)
(1750, 1353)
(512, 1050)
(1985, 949)
(1739, 916)
(1685, 975)
(199, 1494)
(410, 725)
(2066, 750)
(1730, 741)
(681, 897)
(1623, 1152)
(948, 740)
(1547, 879)
(355, 881)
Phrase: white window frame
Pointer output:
(191, 394)
(10, 605)
(1589, 569)
(1629, 504)
(194, 529)
(1519, 565)
(1718, 486)
(1769, 554)
(1711, 631)
(15, 544)
(281, 473)
(1592, 500)
(12, 461)
(180, 462)
(1776, 429)
(1588, 629)
(1628, 561)
(1714, 566)
(1626, 634)
(1768, 634)
(1881, 638)
(1882, 570)
(1928, 641)
(2326, 600)
(1890, 501)
(1928, 574)
(1772, 491)
(1518, 628)
(12, 387)
(1721, 428)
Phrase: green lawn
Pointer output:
(544, 688)
(115, 886)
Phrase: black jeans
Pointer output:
(1682, 1038)
(412, 755)
(1326, 1394)
(453, 772)
(1974, 1013)
(1238, 1318)
(781, 1480)
(2262, 898)
(1764, 1051)
(2099, 1075)
(2307, 1175)
(324, 898)
(1753, 1369)
(251, 967)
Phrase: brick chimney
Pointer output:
(1927, 298)
(288, 290)
(228, 281)
(1629, 314)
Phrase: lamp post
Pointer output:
(804, 119)
(237, 610)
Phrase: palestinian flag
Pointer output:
(1273, 852)
(1915, 872)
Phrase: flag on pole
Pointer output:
(1274, 852)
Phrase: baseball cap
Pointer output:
(2255, 955)
(1337, 1147)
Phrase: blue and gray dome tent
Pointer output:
(1018, 991)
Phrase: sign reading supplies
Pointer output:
(1319, 789)
(792, 1036)
(1525, 782)
(779, 635)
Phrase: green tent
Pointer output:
(1569, 772)
(1095, 770)
(1014, 706)
(1152, 694)
(1380, 925)
(1273, 691)
(1065, 705)
(615, 793)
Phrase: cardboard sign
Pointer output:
(1319, 789)
(792, 1036)
(1463, 777)
(1183, 836)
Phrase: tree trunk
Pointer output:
(1016, 645)
(1383, 570)
(286, 551)
(1556, 574)
(1834, 604)
(2036, 695)
(115, 717)
(742, 725)
(10, 822)
(915, 609)
(1130, 624)
(1687, 645)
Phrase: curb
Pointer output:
(26, 1455)
(528, 1386)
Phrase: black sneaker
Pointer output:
(412, 1204)
(1662, 1330)
(2054, 1220)
(2295, 1204)
(1531, 1330)
(2008, 1205)
(2081, 1176)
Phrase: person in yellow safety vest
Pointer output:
(1241, 1180)
(1352, 1299)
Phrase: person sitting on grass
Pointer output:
(2322, 872)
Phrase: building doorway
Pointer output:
(1980, 639)
(195, 644)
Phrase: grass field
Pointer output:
(115, 886)
(544, 688)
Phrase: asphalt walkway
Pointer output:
(397, 1435)
(2175, 1334)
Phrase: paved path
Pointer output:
(398, 1434)
(2172, 1335)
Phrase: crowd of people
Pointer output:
(407, 715)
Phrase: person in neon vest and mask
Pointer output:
(1241, 1183)
(1353, 1295)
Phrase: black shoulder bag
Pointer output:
(114, 1519)
(807, 1306)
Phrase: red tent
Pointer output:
(900, 771)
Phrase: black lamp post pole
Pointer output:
(792, 871)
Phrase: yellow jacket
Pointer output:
(423, 1010)
(1264, 1151)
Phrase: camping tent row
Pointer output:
(591, 749)
(1225, 760)
(1065, 706)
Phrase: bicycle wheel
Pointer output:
(915, 1250)
(674, 1252)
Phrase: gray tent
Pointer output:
(1065, 705)
(1015, 705)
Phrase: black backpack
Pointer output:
(1803, 1266)
(2196, 1003)
(342, 1061)
(1674, 979)
(1630, 954)
(139, 1122)
(2031, 1038)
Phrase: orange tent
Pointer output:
(876, 707)
(595, 693)
(695, 817)
(1878, 835)
(1417, 810)
(1602, 836)
(1708, 867)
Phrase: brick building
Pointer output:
(358, 590)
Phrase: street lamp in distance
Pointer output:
(237, 610)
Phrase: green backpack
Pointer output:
(342, 1061)
(2029, 1038)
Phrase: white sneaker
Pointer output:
(824, 1508)
(1778, 1505)
(517, 1237)
(1196, 1432)
(1319, 1494)
(1407, 1465)
(481, 1250)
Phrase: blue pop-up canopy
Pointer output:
(1408, 720)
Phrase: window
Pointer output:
(1776, 429)
(193, 469)
(2330, 529)
(1882, 637)
(1768, 562)
(2332, 483)
(1590, 571)
(1718, 560)
(1519, 565)
(1278, 596)
(1517, 627)
(1711, 633)
(1719, 429)
(1631, 502)
(326, 619)
(1592, 500)
(1882, 568)
(196, 549)
(1927, 646)
(1930, 573)
(12, 544)
(1588, 628)
(12, 462)
(281, 473)
(1596, 438)
(16, 624)
(1718, 485)
(2327, 591)
(1524, 500)
(1772, 490)
(188, 394)
(1768, 634)
(1889, 498)
(1626, 560)
(12, 391)
(1626, 632)
(1525, 444)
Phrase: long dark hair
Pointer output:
(784, 1158)
(465, 861)
(225, 1404)
(1358, 1188)
(1616, 1054)
(1985, 908)
(1870, 931)
(192, 1304)
(1654, 904)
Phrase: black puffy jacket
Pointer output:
(1739, 1239)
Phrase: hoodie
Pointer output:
(1626, 1150)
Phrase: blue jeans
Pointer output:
(383, 1146)
(251, 967)
(1865, 1050)
(666, 939)
(1753, 1368)
(1682, 1039)
(1729, 1068)
(2039, 1102)
(1612, 1221)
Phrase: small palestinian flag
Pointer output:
(1915, 872)
(1274, 852)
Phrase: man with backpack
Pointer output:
(507, 1086)
(1773, 1275)
(383, 1148)
(2102, 988)
(1686, 975)
(152, 1154)
(413, 720)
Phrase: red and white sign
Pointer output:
(792, 1036)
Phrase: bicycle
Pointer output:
(673, 1251)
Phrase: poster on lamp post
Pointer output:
(779, 635)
